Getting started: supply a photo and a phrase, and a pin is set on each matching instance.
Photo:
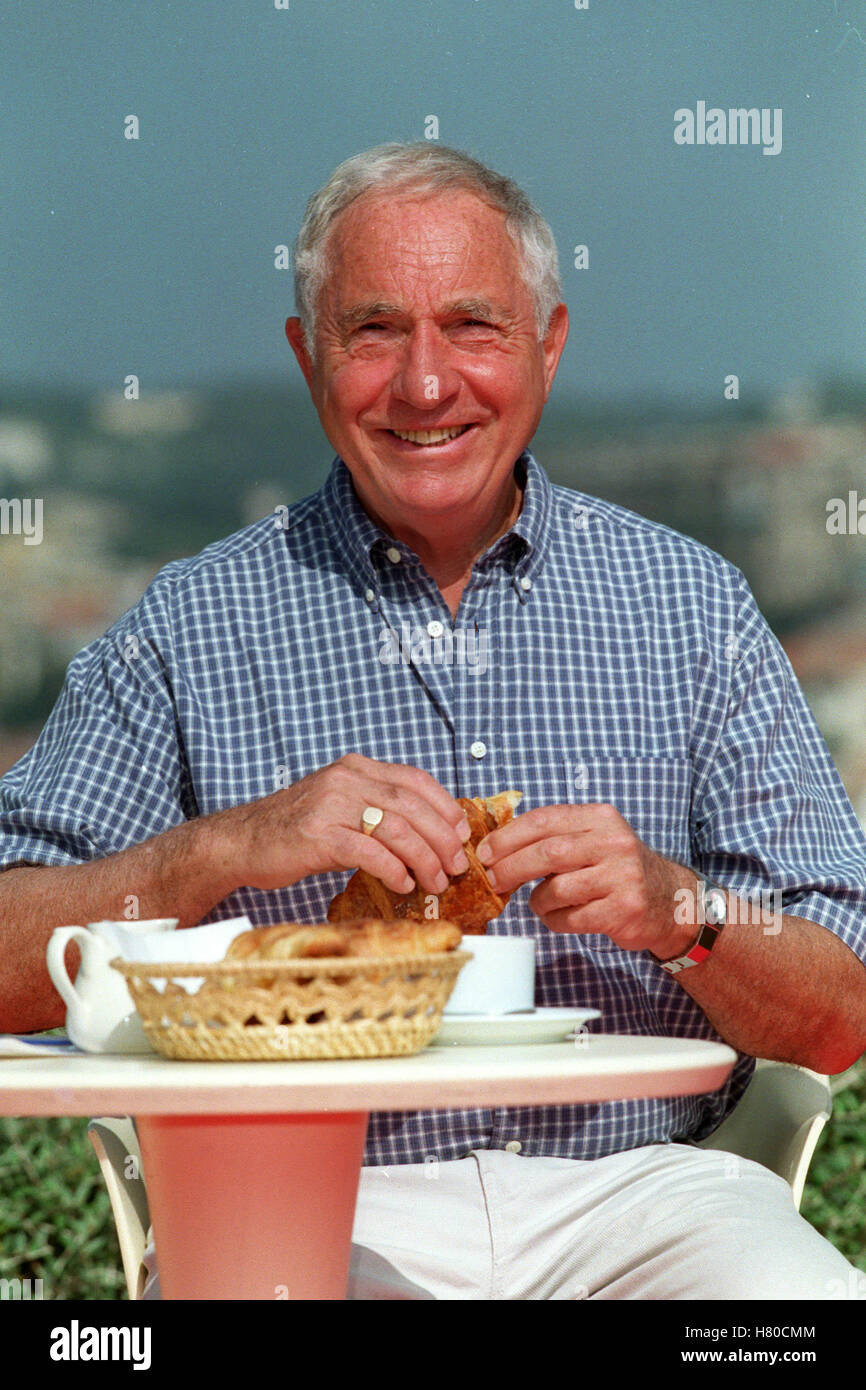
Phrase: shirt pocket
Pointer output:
(652, 793)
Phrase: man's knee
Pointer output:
(753, 1244)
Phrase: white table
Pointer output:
(252, 1168)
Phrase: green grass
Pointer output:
(834, 1199)
(56, 1223)
(55, 1216)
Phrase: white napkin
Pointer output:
(188, 946)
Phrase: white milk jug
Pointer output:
(100, 1014)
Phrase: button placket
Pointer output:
(475, 693)
(407, 598)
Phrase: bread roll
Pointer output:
(368, 937)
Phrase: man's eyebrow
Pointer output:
(475, 308)
(374, 308)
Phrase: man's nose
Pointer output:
(426, 373)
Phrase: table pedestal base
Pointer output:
(252, 1206)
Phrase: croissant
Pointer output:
(469, 900)
(288, 941)
(371, 937)
(393, 938)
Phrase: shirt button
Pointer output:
(513, 1146)
(478, 749)
(369, 596)
(393, 554)
(526, 584)
(435, 629)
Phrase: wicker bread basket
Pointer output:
(279, 1010)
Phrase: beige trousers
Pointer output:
(668, 1221)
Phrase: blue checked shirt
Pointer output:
(596, 657)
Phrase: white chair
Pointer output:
(777, 1122)
(116, 1145)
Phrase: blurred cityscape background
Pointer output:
(155, 168)
(127, 485)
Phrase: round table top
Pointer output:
(592, 1068)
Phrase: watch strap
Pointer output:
(709, 931)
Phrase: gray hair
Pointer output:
(424, 168)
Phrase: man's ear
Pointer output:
(557, 332)
(295, 335)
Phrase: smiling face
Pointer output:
(429, 377)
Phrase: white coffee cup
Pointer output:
(500, 979)
(100, 1014)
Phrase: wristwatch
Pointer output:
(712, 904)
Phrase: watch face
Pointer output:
(715, 906)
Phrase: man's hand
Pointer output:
(309, 828)
(597, 876)
(314, 827)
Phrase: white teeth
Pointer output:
(429, 436)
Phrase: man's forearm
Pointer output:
(181, 873)
(312, 827)
(786, 989)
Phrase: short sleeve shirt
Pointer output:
(596, 657)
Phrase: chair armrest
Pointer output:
(778, 1121)
(116, 1145)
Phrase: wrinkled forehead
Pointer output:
(451, 244)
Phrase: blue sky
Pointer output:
(155, 255)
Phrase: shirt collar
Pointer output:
(354, 532)
(357, 537)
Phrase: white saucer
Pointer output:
(540, 1026)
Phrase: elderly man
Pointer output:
(214, 753)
